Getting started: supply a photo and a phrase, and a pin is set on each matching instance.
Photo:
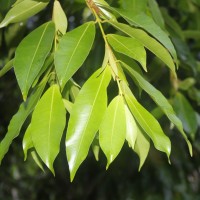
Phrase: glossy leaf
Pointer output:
(131, 128)
(86, 116)
(186, 113)
(128, 46)
(19, 118)
(148, 123)
(23, 10)
(6, 68)
(47, 125)
(112, 132)
(59, 18)
(72, 51)
(149, 42)
(160, 100)
(143, 21)
(37, 159)
(142, 146)
(31, 55)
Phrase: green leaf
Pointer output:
(160, 100)
(128, 46)
(59, 18)
(142, 146)
(19, 118)
(186, 113)
(31, 55)
(112, 131)
(131, 128)
(72, 51)
(148, 123)
(86, 116)
(22, 11)
(27, 142)
(37, 159)
(68, 105)
(47, 125)
(156, 13)
(149, 42)
(143, 21)
(6, 68)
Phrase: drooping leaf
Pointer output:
(27, 142)
(6, 68)
(112, 132)
(37, 159)
(59, 18)
(47, 125)
(31, 54)
(149, 42)
(156, 13)
(142, 146)
(72, 51)
(23, 10)
(186, 113)
(19, 118)
(128, 46)
(160, 100)
(148, 123)
(143, 21)
(68, 105)
(131, 128)
(86, 116)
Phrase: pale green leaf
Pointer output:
(128, 46)
(149, 42)
(59, 18)
(131, 128)
(47, 125)
(72, 51)
(186, 113)
(6, 68)
(27, 142)
(112, 132)
(23, 10)
(142, 146)
(37, 159)
(160, 100)
(86, 116)
(19, 118)
(68, 105)
(143, 21)
(148, 123)
(31, 55)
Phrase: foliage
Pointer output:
(134, 38)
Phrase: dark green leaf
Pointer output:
(6, 68)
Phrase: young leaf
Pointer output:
(22, 11)
(128, 46)
(59, 18)
(27, 141)
(131, 128)
(186, 113)
(47, 125)
(148, 123)
(143, 21)
(112, 131)
(6, 68)
(160, 100)
(19, 118)
(37, 159)
(149, 42)
(31, 54)
(86, 116)
(72, 51)
(142, 146)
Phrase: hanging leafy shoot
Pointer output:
(51, 55)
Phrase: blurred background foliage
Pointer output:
(157, 180)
